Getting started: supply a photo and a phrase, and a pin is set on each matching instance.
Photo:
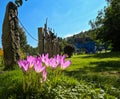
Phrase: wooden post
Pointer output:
(41, 40)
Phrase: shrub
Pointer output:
(69, 49)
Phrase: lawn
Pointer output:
(91, 76)
(106, 64)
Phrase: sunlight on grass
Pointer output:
(95, 62)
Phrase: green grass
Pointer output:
(91, 76)
(102, 70)
(107, 64)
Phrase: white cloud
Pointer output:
(71, 34)
(68, 35)
(83, 30)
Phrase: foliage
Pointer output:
(64, 88)
(90, 33)
(69, 49)
(81, 90)
(29, 50)
(23, 40)
(63, 43)
(19, 2)
(22, 54)
(107, 24)
(112, 19)
(25, 48)
(92, 76)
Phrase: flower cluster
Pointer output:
(40, 63)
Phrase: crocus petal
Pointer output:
(20, 63)
(45, 58)
(42, 57)
(47, 62)
(24, 65)
(39, 69)
(31, 60)
(58, 59)
(38, 65)
(65, 64)
(53, 63)
(47, 55)
(37, 61)
(63, 57)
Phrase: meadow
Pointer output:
(90, 76)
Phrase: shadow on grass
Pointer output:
(109, 67)
(105, 66)
(103, 55)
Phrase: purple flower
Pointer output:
(58, 59)
(44, 57)
(47, 62)
(38, 65)
(24, 65)
(31, 61)
(64, 64)
(63, 57)
(53, 63)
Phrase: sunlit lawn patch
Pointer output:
(96, 63)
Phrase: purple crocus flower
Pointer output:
(53, 63)
(24, 65)
(58, 59)
(63, 57)
(44, 57)
(47, 62)
(38, 65)
(64, 64)
(31, 61)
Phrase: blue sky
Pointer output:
(66, 17)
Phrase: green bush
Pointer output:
(69, 49)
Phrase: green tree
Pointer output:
(107, 24)
(112, 24)
(23, 40)
(19, 2)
